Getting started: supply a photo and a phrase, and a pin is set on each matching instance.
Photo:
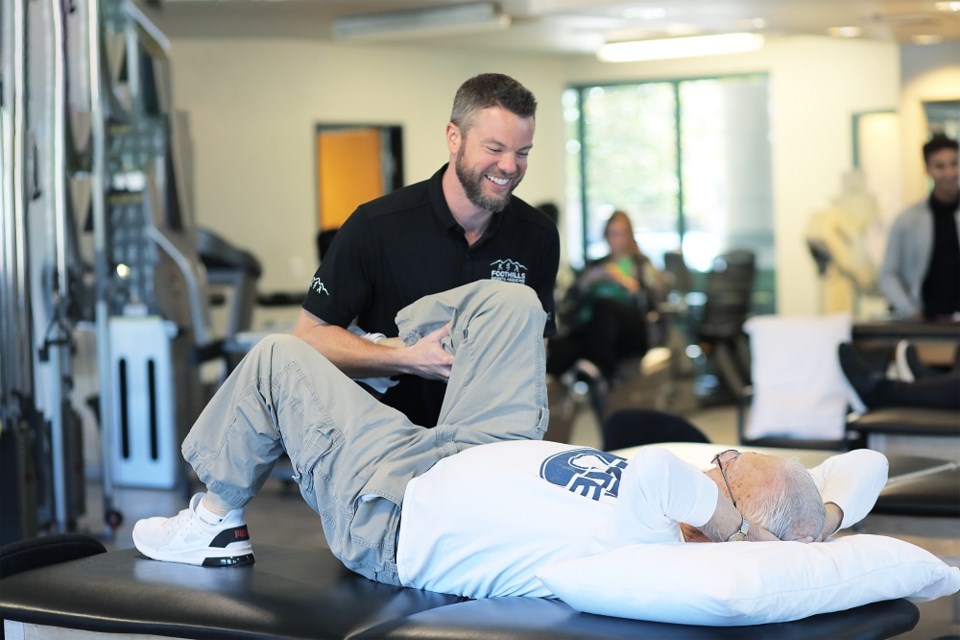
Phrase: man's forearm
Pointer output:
(356, 357)
(833, 518)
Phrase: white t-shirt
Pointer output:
(480, 523)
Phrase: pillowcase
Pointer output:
(799, 389)
(731, 583)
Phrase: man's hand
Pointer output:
(360, 358)
(755, 534)
(831, 522)
(632, 285)
(427, 358)
(759, 534)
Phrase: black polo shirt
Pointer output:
(406, 245)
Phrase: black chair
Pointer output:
(675, 311)
(34, 553)
(720, 329)
(678, 274)
(636, 427)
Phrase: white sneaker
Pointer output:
(187, 538)
(902, 358)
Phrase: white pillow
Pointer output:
(799, 389)
(734, 583)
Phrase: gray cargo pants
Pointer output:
(352, 455)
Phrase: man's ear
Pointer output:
(454, 138)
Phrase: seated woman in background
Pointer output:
(617, 315)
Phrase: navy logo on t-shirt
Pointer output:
(587, 472)
(508, 270)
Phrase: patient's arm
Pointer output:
(692, 534)
(658, 491)
(850, 484)
(831, 522)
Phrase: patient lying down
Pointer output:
(482, 522)
(479, 523)
(485, 503)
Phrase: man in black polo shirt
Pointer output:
(461, 225)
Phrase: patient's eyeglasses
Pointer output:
(726, 457)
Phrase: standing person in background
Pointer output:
(619, 295)
(920, 275)
(462, 225)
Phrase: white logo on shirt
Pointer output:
(508, 270)
(317, 285)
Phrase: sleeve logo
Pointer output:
(317, 285)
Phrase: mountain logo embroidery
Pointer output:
(317, 285)
(508, 270)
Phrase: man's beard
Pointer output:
(472, 183)
(946, 191)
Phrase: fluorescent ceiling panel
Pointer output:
(691, 47)
(442, 21)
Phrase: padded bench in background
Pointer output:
(925, 432)
(297, 594)
(920, 487)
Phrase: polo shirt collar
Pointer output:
(439, 204)
(442, 211)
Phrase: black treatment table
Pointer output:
(291, 593)
(298, 594)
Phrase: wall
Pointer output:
(816, 84)
(253, 105)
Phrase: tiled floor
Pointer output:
(280, 502)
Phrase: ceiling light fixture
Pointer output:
(845, 32)
(948, 6)
(645, 13)
(403, 25)
(694, 46)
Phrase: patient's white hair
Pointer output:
(790, 507)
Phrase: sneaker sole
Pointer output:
(232, 561)
(201, 558)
